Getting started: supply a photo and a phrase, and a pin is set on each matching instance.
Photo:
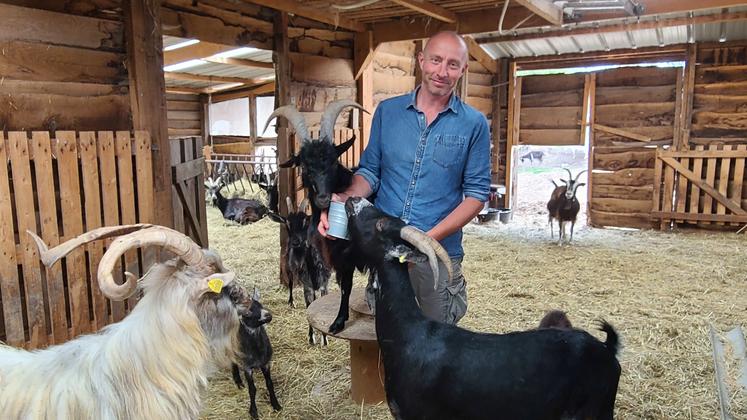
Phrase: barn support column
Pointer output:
(363, 57)
(148, 94)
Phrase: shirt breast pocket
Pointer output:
(449, 150)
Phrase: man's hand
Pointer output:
(323, 226)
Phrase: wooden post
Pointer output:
(205, 102)
(364, 52)
(148, 94)
(286, 184)
(688, 92)
(512, 133)
(587, 118)
(253, 119)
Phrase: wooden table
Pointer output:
(366, 368)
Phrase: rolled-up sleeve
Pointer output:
(370, 165)
(476, 182)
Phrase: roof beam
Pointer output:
(481, 55)
(429, 9)
(544, 9)
(319, 15)
(240, 62)
(243, 92)
(575, 29)
(216, 79)
(192, 52)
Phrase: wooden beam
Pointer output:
(243, 93)
(585, 28)
(184, 90)
(206, 78)
(621, 132)
(363, 52)
(545, 9)
(428, 8)
(479, 54)
(655, 7)
(194, 52)
(147, 94)
(239, 32)
(688, 94)
(317, 14)
(243, 62)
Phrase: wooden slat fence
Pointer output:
(187, 166)
(704, 186)
(60, 186)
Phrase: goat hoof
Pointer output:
(254, 414)
(337, 326)
(276, 406)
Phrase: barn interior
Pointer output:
(116, 111)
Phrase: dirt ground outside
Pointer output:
(659, 289)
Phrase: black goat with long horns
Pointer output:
(563, 205)
(322, 175)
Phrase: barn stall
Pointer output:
(85, 83)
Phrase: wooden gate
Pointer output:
(187, 166)
(60, 187)
(704, 187)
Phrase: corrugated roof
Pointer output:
(605, 41)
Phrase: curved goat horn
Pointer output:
(289, 203)
(330, 116)
(570, 175)
(50, 256)
(295, 118)
(303, 205)
(578, 175)
(429, 247)
(173, 241)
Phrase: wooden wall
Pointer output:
(185, 115)
(551, 109)
(394, 70)
(61, 70)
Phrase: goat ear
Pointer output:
(342, 148)
(217, 281)
(290, 163)
(255, 294)
(404, 253)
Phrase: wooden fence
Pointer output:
(59, 187)
(701, 186)
(187, 166)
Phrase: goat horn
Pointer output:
(295, 118)
(50, 256)
(330, 116)
(171, 240)
(289, 203)
(578, 175)
(429, 247)
(570, 175)
(303, 205)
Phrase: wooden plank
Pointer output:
(296, 8)
(618, 205)
(736, 186)
(41, 147)
(726, 153)
(549, 137)
(621, 132)
(199, 196)
(723, 182)
(479, 54)
(45, 27)
(720, 103)
(10, 287)
(624, 192)
(72, 225)
(656, 197)
(46, 62)
(551, 117)
(552, 83)
(706, 186)
(667, 194)
(625, 159)
(110, 200)
(694, 189)
(561, 98)
(176, 159)
(632, 220)
(635, 177)
(681, 192)
(544, 9)
(637, 76)
(710, 178)
(25, 214)
(634, 94)
(189, 191)
(512, 129)
(428, 9)
(243, 31)
(126, 181)
(688, 93)
(184, 106)
(91, 192)
(721, 219)
(636, 114)
(678, 113)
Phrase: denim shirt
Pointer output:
(421, 173)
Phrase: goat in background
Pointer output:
(564, 206)
(240, 210)
(153, 364)
(322, 174)
(303, 260)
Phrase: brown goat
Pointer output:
(564, 206)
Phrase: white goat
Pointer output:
(153, 364)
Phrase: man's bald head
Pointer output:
(447, 36)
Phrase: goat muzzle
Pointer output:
(429, 247)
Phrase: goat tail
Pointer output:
(613, 340)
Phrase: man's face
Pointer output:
(442, 63)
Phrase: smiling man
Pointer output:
(428, 161)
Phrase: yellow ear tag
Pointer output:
(216, 285)
(401, 259)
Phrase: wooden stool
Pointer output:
(366, 368)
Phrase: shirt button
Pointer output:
(417, 160)
(413, 183)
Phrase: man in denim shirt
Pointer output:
(428, 160)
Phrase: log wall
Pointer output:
(395, 70)
(551, 109)
(185, 115)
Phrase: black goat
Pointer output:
(256, 353)
(303, 262)
(269, 183)
(239, 210)
(555, 319)
(439, 371)
(564, 206)
(322, 174)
